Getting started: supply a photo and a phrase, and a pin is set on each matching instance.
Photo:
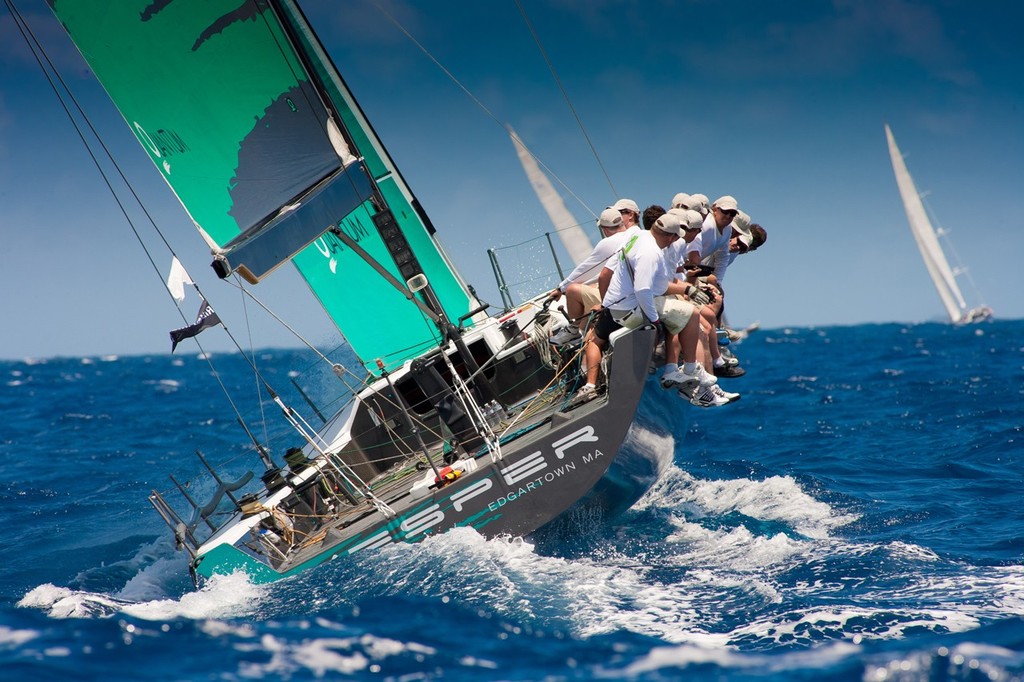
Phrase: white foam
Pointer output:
(9, 637)
(61, 602)
(508, 578)
(736, 549)
(687, 655)
(166, 385)
(345, 655)
(778, 498)
(221, 597)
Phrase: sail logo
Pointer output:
(329, 245)
(162, 143)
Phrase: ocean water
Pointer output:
(858, 515)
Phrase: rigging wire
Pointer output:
(40, 54)
(568, 101)
(959, 269)
(482, 106)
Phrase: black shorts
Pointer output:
(605, 324)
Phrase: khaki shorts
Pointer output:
(590, 296)
(673, 312)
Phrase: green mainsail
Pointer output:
(232, 100)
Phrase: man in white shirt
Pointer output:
(580, 287)
(715, 236)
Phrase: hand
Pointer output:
(697, 296)
(555, 295)
(659, 330)
(710, 293)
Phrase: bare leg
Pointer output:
(688, 339)
(574, 304)
(709, 351)
(672, 350)
(593, 352)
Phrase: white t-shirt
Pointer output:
(647, 276)
(679, 251)
(590, 267)
(714, 245)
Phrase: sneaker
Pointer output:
(566, 335)
(706, 378)
(680, 379)
(729, 372)
(706, 397)
(728, 361)
(587, 393)
(731, 397)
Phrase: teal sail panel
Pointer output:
(233, 102)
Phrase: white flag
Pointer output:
(177, 280)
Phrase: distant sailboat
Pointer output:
(943, 276)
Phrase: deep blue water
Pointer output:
(856, 516)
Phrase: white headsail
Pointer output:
(574, 239)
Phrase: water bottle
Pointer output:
(492, 413)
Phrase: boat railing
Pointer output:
(528, 268)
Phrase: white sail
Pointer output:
(574, 239)
(925, 236)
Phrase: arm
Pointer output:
(603, 280)
(720, 259)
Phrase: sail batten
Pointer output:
(242, 113)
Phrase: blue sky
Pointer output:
(780, 104)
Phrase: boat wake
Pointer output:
(223, 597)
(716, 569)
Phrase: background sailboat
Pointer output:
(927, 239)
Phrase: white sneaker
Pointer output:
(706, 379)
(586, 393)
(679, 379)
(566, 335)
(706, 397)
(731, 397)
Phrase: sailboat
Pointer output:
(927, 239)
(459, 418)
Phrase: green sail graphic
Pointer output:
(227, 110)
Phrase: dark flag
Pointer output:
(206, 318)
